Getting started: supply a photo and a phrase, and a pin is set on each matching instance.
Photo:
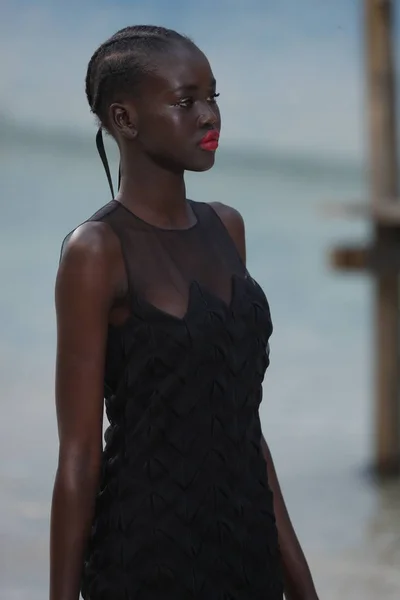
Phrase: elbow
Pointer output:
(79, 468)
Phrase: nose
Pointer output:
(208, 115)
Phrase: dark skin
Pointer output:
(158, 134)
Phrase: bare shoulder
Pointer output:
(233, 221)
(89, 259)
(229, 216)
(93, 240)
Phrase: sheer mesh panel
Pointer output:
(163, 264)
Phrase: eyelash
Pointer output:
(188, 102)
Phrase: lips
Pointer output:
(210, 141)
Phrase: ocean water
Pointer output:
(317, 409)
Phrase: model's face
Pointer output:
(176, 108)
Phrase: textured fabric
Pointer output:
(184, 510)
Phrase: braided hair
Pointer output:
(119, 65)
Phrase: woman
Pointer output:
(157, 313)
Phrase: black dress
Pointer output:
(184, 510)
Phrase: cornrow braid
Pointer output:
(119, 65)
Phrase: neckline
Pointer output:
(162, 229)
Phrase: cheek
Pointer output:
(182, 121)
(162, 127)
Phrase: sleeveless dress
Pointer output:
(184, 510)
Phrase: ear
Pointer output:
(123, 120)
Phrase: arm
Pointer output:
(84, 294)
(298, 583)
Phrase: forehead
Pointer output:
(180, 67)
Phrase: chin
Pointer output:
(203, 165)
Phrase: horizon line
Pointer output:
(11, 130)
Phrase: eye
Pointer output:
(189, 101)
(185, 102)
(213, 98)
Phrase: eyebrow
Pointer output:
(192, 87)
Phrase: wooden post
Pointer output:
(381, 258)
(383, 165)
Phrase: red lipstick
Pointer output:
(210, 141)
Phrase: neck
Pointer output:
(155, 194)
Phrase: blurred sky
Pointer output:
(290, 72)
